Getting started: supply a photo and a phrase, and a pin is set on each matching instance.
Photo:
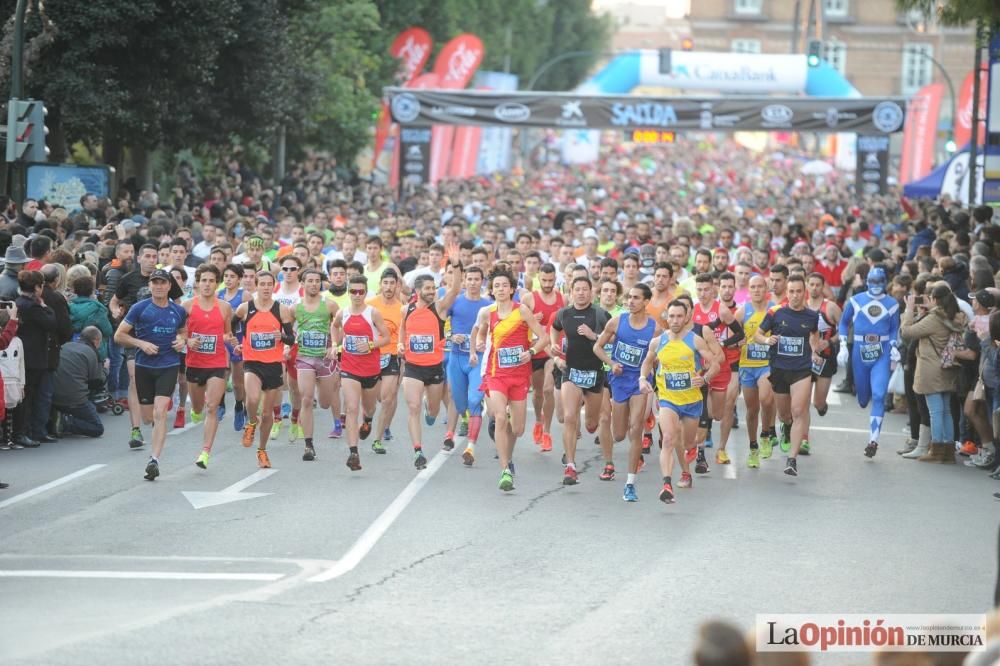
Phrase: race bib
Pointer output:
(756, 352)
(383, 361)
(871, 352)
(817, 368)
(585, 379)
(791, 346)
(357, 344)
(206, 344)
(509, 357)
(421, 344)
(677, 381)
(313, 339)
(263, 341)
(465, 347)
(627, 354)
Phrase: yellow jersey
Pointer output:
(754, 355)
(679, 360)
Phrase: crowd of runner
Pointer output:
(635, 299)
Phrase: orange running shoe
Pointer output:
(642, 463)
(179, 419)
(691, 454)
(536, 433)
(650, 422)
(546, 442)
(262, 460)
(248, 432)
(969, 448)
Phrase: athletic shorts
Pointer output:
(598, 384)
(183, 365)
(782, 380)
(689, 411)
(318, 364)
(200, 376)
(151, 383)
(515, 388)
(750, 377)
(428, 374)
(557, 377)
(390, 365)
(828, 369)
(366, 382)
(290, 367)
(720, 382)
(623, 386)
(268, 373)
(538, 363)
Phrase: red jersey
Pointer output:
(547, 311)
(509, 337)
(358, 357)
(209, 328)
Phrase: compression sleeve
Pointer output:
(287, 333)
(738, 334)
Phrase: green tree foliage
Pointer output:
(955, 12)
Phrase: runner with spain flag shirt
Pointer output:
(507, 371)
(421, 342)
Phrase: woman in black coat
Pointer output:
(38, 326)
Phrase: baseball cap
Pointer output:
(175, 289)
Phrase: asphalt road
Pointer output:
(389, 566)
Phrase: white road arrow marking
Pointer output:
(200, 499)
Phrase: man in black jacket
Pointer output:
(63, 334)
(78, 375)
(38, 324)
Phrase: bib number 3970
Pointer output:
(585, 379)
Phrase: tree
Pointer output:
(955, 12)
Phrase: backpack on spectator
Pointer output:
(12, 371)
(955, 343)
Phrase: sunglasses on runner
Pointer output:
(289, 269)
(358, 292)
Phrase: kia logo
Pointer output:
(512, 112)
(776, 114)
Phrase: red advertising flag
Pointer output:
(413, 48)
(455, 64)
(426, 80)
(920, 133)
(963, 113)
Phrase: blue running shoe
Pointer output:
(387, 435)
(510, 466)
(240, 420)
(220, 413)
(286, 410)
(709, 443)
(428, 419)
(629, 495)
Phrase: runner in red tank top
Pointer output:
(209, 324)
(544, 304)
(731, 346)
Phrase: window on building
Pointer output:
(745, 46)
(835, 53)
(747, 7)
(835, 8)
(918, 70)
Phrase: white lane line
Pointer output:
(377, 529)
(180, 431)
(833, 398)
(49, 486)
(857, 430)
(729, 472)
(138, 575)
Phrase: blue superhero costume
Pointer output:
(875, 316)
(464, 379)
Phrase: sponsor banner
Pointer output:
(414, 155)
(455, 66)
(920, 133)
(872, 171)
(963, 114)
(567, 111)
(413, 48)
(495, 145)
(706, 70)
(991, 194)
(870, 633)
(426, 80)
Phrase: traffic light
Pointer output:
(813, 57)
(687, 44)
(665, 66)
(26, 131)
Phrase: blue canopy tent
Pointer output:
(950, 178)
(928, 187)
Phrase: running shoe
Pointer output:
(969, 448)
(506, 481)
(667, 494)
(871, 449)
(721, 457)
(753, 460)
(286, 410)
(152, 470)
(135, 439)
(546, 442)
(378, 448)
(338, 430)
(822, 410)
(419, 461)
(570, 477)
(701, 464)
(295, 432)
(563, 459)
(608, 474)
(248, 434)
(686, 480)
(736, 418)
(309, 454)
(365, 429)
(996, 496)
(220, 413)
(708, 442)
(229, 386)
(354, 462)
(791, 467)
(510, 466)
(642, 463)
(262, 460)
(387, 435)
(179, 419)
(468, 457)
(691, 454)
(804, 449)
(463, 425)
(647, 442)
(240, 419)
(987, 458)
(196, 417)
(650, 422)
(786, 435)
(202, 460)
(766, 446)
(629, 495)
(275, 429)
(491, 429)
(428, 419)
(536, 433)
